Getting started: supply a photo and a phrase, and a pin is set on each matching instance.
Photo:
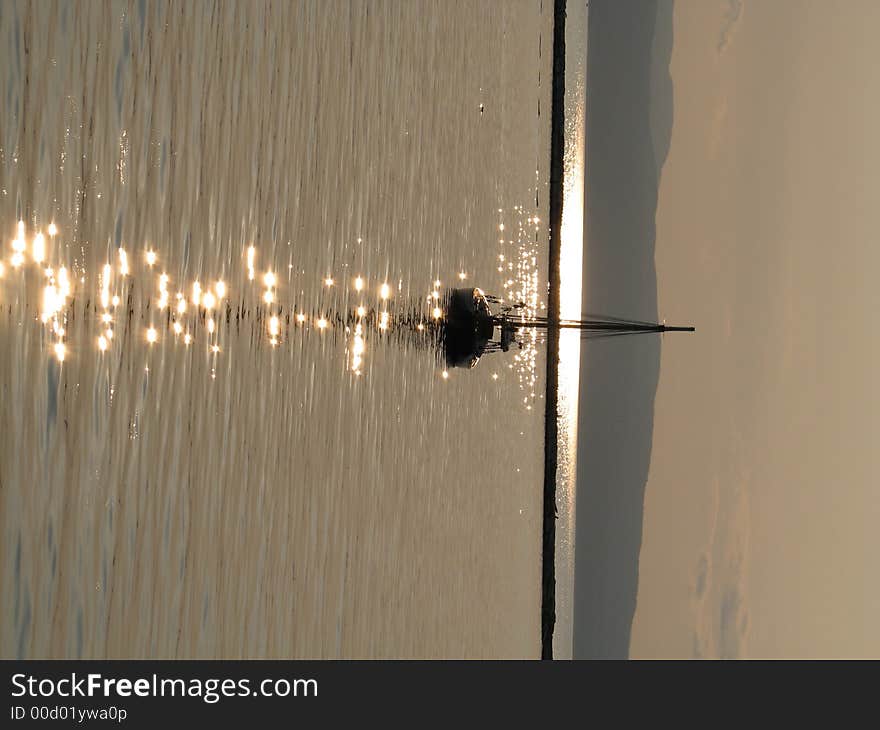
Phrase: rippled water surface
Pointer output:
(260, 468)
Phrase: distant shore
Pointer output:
(557, 149)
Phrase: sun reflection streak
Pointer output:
(64, 282)
(570, 296)
(57, 296)
(51, 302)
(358, 348)
(38, 250)
(251, 257)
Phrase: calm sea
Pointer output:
(181, 473)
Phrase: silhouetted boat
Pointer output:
(468, 328)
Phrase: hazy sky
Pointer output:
(759, 534)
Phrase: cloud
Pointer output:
(720, 579)
(733, 624)
(703, 576)
(728, 24)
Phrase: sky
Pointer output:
(727, 481)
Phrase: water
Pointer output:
(570, 306)
(231, 497)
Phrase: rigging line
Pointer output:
(604, 323)
(590, 315)
(601, 335)
(590, 326)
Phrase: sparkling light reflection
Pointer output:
(133, 281)
(571, 263)
(251, 257)
(39, 248)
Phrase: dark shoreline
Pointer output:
(557, 150)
